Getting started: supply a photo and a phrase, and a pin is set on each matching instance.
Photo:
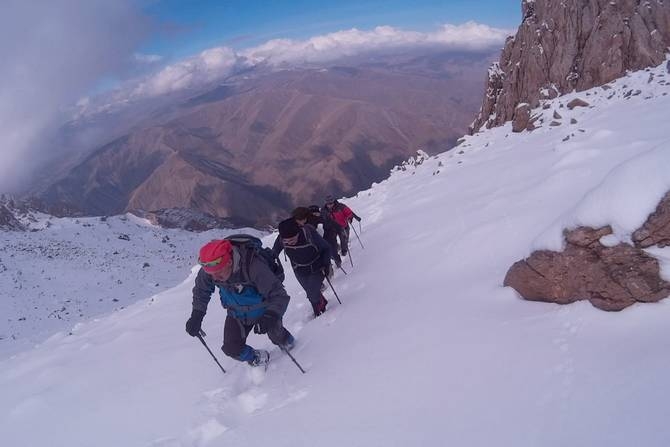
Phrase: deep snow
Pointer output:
(66, 270)
(427, 348)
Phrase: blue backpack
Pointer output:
(255, 246)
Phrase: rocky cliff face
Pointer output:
(572, 45)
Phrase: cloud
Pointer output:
(217, 63)
(205, 67)
(53, 52)
(466, 37)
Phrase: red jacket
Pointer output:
(342, 214)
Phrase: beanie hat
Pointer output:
(215, 255)
(314, 209)
(288, 228)
(330, 199)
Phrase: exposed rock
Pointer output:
(656, 230)
(521, 118)
(557, 116)
(573, 45)
(554, 123)
(8, 221)
(610, 278)
(577, 102)
(573, 121)
(586, 237)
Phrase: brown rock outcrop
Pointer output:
(656, 230)
(572, 45)
(577, 102)
(521, 118)
(610, 278)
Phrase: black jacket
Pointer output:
(309, 255)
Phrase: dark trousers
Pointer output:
(344, 240)
(311, 283)
(331, 238)
(235, 336)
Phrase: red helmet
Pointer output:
(215, 255)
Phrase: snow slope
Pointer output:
(67, 270)
(427, 348)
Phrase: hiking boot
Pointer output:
(289, 343)
(261, 358)
(320, 307)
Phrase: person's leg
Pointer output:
(312, 285)
(280, 336)
(234, 340)
(344, 241)
(331, 238)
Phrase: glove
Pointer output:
(195, 322)
(266, 322)
(357, 218)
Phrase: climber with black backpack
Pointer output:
(312, 216)
(250, 282)
(309, 254)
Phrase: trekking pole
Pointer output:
(360, 228)
(331, 286)
(292, 358)
(359, 239)
(351, 260)
(200, 335)
(343, 271)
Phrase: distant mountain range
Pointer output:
(252, 147)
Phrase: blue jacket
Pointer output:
(246, 295)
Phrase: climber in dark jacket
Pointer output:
(312, 216)
(309, 254)
(253, 295)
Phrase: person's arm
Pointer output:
(202, 291)
(269, 286)
(278, 246)
(348, 214)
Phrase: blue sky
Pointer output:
(189, 26)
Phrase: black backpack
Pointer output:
(254, 245)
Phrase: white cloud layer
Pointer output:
(52, 51)
(205, 67)
(217, 63)
(469, 36)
